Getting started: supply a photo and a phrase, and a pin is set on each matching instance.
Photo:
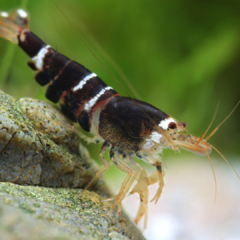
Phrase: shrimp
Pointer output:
(126, 126)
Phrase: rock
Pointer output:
(39, 146)
(31, 212)
(42, 174)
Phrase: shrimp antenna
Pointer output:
(215, 129)
(224, 159)
(215, 113)
(214, 175)
(112, 62)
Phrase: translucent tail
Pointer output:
(12, 23)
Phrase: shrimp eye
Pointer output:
(172, 125)
(183, 124)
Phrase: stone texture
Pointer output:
(39, 146)
(43, 167)
(30, 212)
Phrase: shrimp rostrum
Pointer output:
(126, 126)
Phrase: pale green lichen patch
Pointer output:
(81, 216)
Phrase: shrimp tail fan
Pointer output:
(12, 23)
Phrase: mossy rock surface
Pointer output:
(39, 146)
(42, 174)
(30, 212)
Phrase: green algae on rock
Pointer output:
(57, 213)
(36, 151)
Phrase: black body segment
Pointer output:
(30, 43)
(84, 121)
(70, 75)
(70, 114)
(52, 65)
(138, 117)
(105, 97)
(126, 122)
(73, 100)
(114, 132)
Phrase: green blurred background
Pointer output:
(181, 56)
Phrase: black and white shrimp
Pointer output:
(126, 126)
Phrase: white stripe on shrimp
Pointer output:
(84, 81)
(38, 59)
(91, 103)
